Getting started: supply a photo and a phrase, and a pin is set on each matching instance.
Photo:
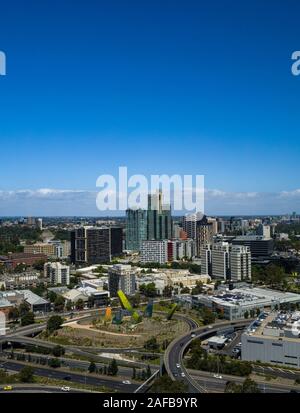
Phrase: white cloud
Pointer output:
(51, 201)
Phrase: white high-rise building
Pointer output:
(240, 263)
(154, 251)
(121, 277)
(220, 263)
(190, 224)
(205, 255)
(57, 273)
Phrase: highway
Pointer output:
(111, 383)
(38, 388)
(123, 371)
(173, 358)
(217, 385)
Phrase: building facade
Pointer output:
(154, 251)
(57, 273)
(136, 228)
(121, 277)
(240, 263)
(204, 233)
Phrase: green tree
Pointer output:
(91, 301)
(250, 386)
(133, 373)
(54, 363)
(113, 368)
(27, 319)
(51, 296)
(54, 323)
(246, 314)
(207, 315)
(26, 375)
(24, 308)
(92, 367)
(232, 387)
(14, 314)
(135, 300)
(59, 304)
(148, 290)
(152, 344)
(79, 304)
(58, 351)
(252, 313)
(39, 265)
(165, 384)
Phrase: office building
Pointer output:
(95, 245)
(159, 220)
(92, 245)
(136, 228)
(154, 251)
(57, 273)
(189, 224)
(181, 249)
(116, 241)
(259, 246)
(205, 255)
(220, 261)
(121, 277)
(41, 248)
(240, 263)
(204, 233)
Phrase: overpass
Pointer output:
(175, 352)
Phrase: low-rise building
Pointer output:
(24, 280)
(12, 260)
(36, 303)
(274, 339)
(234, 304)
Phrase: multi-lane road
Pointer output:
(110, 383)
(173, 358)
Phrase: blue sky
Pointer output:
(187, 87)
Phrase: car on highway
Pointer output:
(7, 388)
(68, 378)
(182, 374)
(193, 335)
(178, 366)
(65, 388)
(217, 376)
(126, 382)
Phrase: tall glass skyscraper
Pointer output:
(136, 228)
(159, 218)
